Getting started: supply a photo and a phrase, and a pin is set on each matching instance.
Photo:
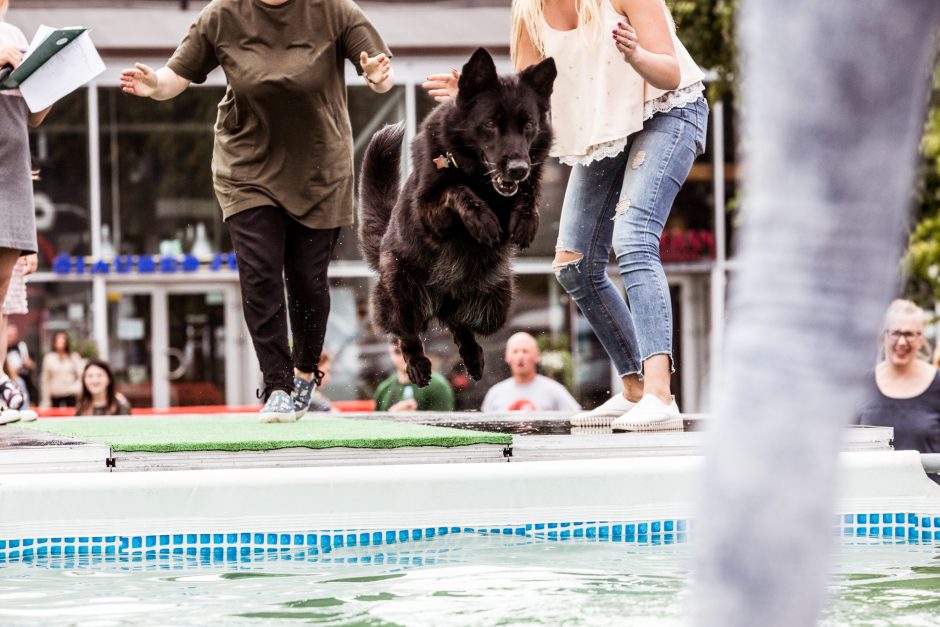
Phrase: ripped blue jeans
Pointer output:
(623, 202)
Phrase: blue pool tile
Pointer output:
(285, 539)
(28, 542)
(642, 528)
(861, 519)
(861, 531)
(231, 538)
(655, 527)
(403, 536)
(507, 531)
(110, 549)
(899, 517)
(178, 538)
(936, 535)
(190, 538)
(912, 519)
(338, 540)
(578, 532)
(925, 522)
(539, 526)
(565, 534)
(364, 538)
(150, 540)
(137, 542)
(912, 533)
(311, 539)
(164, 540)
(204, 538)
(936, 521)
(272, 538)
(245, 538)
(591, 532)
(70, 540)
(670, 525)
(887, 532)
(553, 525)
(630, 530)
(848, 519)
(389, 536)
(430, 532)
(874, 518)
(350, 539)
(520, 531)
(603, 531)
(899, 531)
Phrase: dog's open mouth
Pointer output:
(505, 187)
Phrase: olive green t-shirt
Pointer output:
(282, 135)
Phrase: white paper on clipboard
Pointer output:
(69, 69)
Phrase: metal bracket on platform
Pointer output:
(110, 462)
(507, 452)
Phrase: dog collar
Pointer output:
(445, 160)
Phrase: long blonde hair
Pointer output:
(527, 17)
(4, 5)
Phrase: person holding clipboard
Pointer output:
(282, 162)
(17, 217)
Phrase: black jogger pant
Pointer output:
(272, 247)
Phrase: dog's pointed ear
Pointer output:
(478, 75)
(541, 78)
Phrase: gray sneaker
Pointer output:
(278, 408)
(303, 392)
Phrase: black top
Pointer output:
(916, 420)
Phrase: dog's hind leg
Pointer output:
(470, 351)
(418, 365)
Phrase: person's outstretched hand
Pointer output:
(375, 69)
(140, 81)
(442, 87)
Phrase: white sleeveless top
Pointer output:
(599, 100)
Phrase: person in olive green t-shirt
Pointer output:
(282, 161)
(397, 393)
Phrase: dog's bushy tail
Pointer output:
(378, 189)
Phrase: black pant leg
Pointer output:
(258, 236)
(306, 260)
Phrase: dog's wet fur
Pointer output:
(442, 247)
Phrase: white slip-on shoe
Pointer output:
(602, 415)
(650, 414)
(8, 416)
(28, 415)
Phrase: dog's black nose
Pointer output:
(517, 169)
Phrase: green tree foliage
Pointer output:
(706, 28)
(922, 261)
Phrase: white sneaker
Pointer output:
(650, 414)
(602, 415)
(9, 415)
(28, 415)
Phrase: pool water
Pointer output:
(457, 580)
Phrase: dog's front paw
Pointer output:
(419, 371)
(483, 225)
(522, 228)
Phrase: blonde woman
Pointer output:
(905, 387)
(629, 116)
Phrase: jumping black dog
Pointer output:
(442, 247)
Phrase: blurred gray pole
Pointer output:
(834, 96)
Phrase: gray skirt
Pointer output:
(17, 210)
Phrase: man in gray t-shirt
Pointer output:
(526, 390)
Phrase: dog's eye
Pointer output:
(529, 126)
(489, 125)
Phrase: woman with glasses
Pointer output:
(905, 386)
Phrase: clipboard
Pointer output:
(50, 46)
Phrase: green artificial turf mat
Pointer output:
(243, 432)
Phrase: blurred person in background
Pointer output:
(61, 373)
(398, 394)
(98, 396)
(526, 389)
(905, 386)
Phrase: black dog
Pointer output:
(442, 248)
